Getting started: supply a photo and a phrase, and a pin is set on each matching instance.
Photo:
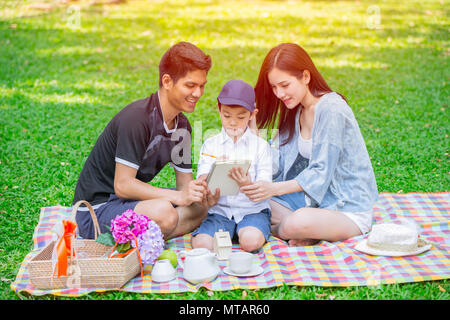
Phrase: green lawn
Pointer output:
(65, 73)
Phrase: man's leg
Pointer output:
(189, 218)
(173, 222)
(160, 211)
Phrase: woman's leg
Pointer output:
(279, 212)
(317, 224)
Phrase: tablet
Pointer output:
(218, 176)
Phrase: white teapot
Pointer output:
(199, 266)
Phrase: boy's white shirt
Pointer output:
(248, 147)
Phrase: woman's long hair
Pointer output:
(293, 59)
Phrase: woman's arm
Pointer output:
(263, 190)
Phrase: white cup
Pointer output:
(240, 262)
(163, 271)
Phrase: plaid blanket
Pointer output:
(324, 264)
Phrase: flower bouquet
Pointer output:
(131, 230)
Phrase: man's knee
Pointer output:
(170, 220)
(160, 211)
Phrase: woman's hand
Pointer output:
(259, 190)
(238, 175)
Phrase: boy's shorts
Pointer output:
(214, 222)
(105, 213)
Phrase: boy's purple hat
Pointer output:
(238, 92)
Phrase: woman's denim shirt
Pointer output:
(339, 175)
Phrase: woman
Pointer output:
(324, 187)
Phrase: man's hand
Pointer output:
(238, 175)
(194, 192)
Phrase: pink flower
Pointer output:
(147, 232)
(128, 223)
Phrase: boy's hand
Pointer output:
(238, 175)
(211, 199)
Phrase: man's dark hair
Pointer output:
(182, 58)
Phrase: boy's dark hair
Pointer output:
(182, 58)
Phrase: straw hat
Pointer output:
(394, 240)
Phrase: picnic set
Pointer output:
(400, 253)
(72, 262)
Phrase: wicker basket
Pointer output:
(90, 269)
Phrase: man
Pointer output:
(138, 142)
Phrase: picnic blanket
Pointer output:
(325, 264)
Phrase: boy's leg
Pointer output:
(254, 230)
(251, 238)
(203, 240)
(203, 237)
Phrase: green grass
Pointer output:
(61, 83)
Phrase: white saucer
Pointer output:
(256, 270)
(422, 246)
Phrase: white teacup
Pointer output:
(240, 262)
(163, 271)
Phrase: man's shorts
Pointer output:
(105, 213)
(214, 222)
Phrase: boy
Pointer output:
(241, 217)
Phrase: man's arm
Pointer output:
(127, 186)
(183, 179)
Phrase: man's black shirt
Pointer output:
(137, 137)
